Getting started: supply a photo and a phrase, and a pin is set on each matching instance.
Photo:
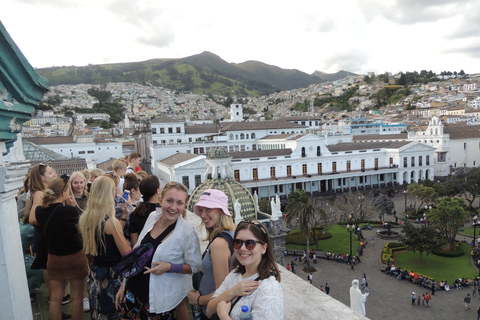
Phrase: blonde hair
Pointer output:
(224, 223)
(86, 174)
(100, 208)
(142, 174)
(70, 190)
(96, 173)
(119, 164)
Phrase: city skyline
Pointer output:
(361, 37)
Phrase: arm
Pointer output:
(243, 288)
(119, 238)
(133, 238)
(36, 201)
(220, 253)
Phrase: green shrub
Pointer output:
(447, 253)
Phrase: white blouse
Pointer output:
(265, 303)
(167, 290)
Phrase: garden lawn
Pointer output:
(436, 267)
(338, 243)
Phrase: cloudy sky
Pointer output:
(308, 35)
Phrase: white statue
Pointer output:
(357, 298)
(274, 208)
(238, 210)
(255, 198)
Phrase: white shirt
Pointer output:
(265, 303)
(167, 290)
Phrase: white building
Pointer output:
(87, 149)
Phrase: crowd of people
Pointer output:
(77, 228)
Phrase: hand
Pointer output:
(70, 200)
(244, 288)
(193, 296)
(123, 206)
(158, 268)
(223, 308)
(119, 298)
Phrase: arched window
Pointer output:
(247, 136)
(436, 131)
(242, 136)
(230, 136)
(319, 153)
(303, 152)
(236, 137)
(253, 135)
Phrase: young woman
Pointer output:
(77, 188)
(254, 281)
(150, 190)
(134, 195)
(161, 289)
(212, 207)
(66, 259)
(40, 176)
(103, 240)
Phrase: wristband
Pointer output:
(176, 268)
(198, 300)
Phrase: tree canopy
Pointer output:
(422, 239)
(422, 194)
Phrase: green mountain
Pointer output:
(204, 73)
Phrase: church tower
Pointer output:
(236, 112)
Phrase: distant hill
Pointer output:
(204, 73)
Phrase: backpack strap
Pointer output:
(238, 298)
(227, 236)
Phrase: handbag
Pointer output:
(134, 261)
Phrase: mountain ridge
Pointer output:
(203, 73)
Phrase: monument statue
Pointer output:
(357, 298)
(238, 211)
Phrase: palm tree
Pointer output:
(302, 206)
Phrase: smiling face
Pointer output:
(173, 204)
(210, 217)
(249, 258)
(78, 186)
(48, 176)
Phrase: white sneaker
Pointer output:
(86, 305)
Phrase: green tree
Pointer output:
(302, 206)
(467, 180)
(422, 193)
(384, 205)
(449, 216)
(422, 239)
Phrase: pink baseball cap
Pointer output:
(212, 199)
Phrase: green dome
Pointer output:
(233, 189)
(218, 153)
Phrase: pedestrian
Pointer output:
(364, 280)
(310, 278)
(373, 240)
(366, 287)
(434, 283)
(466, 302)
(427, 299)
(474, 290)
(478, 313)
(414, 297)
(352, 266)
(315, 258)
(288, 267)
(295, 259)
(327, 288)
(321, 288)
(293, 266)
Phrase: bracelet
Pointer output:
(124, 219)
(198, 300)
(176, 267)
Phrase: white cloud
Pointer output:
(361, 36)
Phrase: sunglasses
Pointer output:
(249, 244)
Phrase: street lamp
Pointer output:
(474, 229)
(350, 229)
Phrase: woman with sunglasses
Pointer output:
(254, 280)
(159, 292)
(212, 208)
(67, 261)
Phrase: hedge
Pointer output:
(298, 238)
(446, 253)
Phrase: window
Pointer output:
(303, 152)
(272, 172)
(413, 162)
(254, 147)
(154, 141)
(242, 136)
(242, 147)
(334, 167)
(170, 130)
(178, 130)
(198, 180)
(255, 173)
(289, 171)
(81, 152)
(90, 151)
(405, 162)
(185, 181)
(391, 161)
(464, 146)
(442, 157)
(319, 168)
(420, 161)
(304, 169)
(319, 153)
(236, 174)
(427, 160)
(154, 130)
(162, 130)
(376, 163)
(253, 135)
(349, 165)
(362, 164)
